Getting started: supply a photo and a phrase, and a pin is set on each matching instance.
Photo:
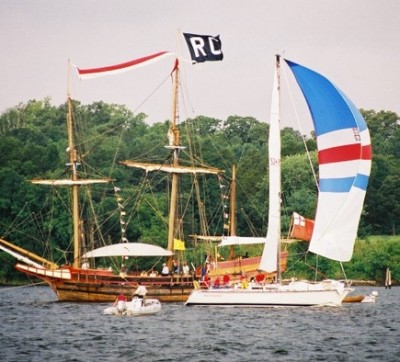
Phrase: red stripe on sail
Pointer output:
(367, 152)
(111, 68)
(340, 154)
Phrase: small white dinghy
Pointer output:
(370, 298)
(134, 308)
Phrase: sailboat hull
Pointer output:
(296, 294)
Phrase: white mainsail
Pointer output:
(269, 259)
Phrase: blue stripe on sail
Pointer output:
(330, 110)
(361, 182)
(343, 184)
(336, 184)
(362, 125)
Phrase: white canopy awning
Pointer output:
(128, 249)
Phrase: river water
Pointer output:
(36, 327)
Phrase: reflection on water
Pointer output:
(35, 327)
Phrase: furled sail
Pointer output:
(170, 168)
(69, 182)
(269, 259)
(20, 257)
(344, 155)
(25, 255)
(241, 240)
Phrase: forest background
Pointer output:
(33, 145)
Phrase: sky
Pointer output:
(354, 43)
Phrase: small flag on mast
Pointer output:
(204, 48)
(302, 227)
(179, 244)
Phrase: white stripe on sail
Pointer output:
(338, 138)
(347, 169)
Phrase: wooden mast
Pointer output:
(175, 145)
(232, 209)
(73, 163)
(174, 168)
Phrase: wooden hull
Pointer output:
(98, 286)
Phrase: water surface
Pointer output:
(36, 327)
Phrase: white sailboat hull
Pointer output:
(295, 294)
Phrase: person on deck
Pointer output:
(165, 270)
(153, 273)
(217, 283)
(260, 277)
(244, 280)
(206, 280)
(225, 280)
(85, 264)
(185, 269)
(175, 267)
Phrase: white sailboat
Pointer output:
(344, 153)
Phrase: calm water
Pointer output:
(35, 327)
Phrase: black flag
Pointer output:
(204, 47)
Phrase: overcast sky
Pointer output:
(354, 43)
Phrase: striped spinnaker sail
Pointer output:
(344, 156)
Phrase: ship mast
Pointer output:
(232, 209)
(174, 168)
(174, 136)
(73, 163)
(278, 155)
(74, 182)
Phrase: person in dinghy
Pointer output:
(140, 293)
(120, 303)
